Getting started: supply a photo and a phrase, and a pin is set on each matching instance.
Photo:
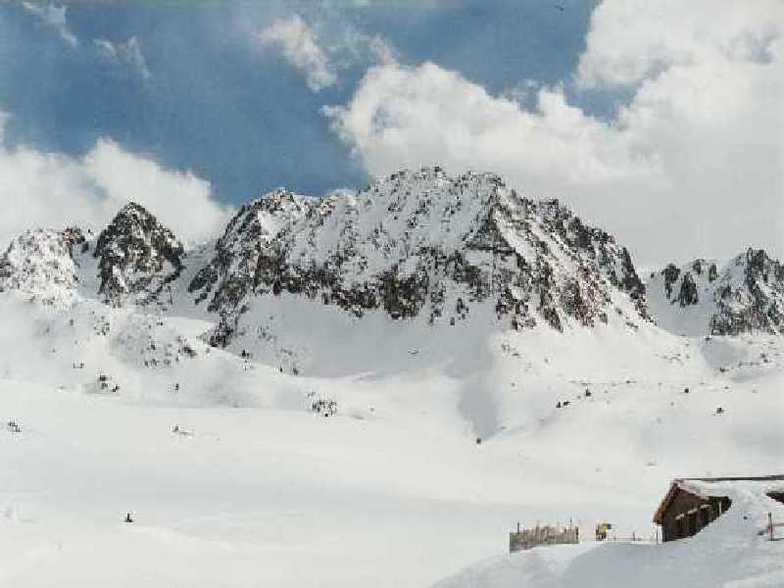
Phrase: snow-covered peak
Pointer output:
(137, 256)
(422, 243)
(229, 276)
(703, 297)
(39, 263)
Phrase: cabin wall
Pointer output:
(688, 514)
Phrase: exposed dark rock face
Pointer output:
(74, 237)
(753, 303)
(713, 272)
(746, 295)
(137, 256)
(688, 295)
(670, 274)
(422, 244)
(242, 253)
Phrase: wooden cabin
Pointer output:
(693, 503)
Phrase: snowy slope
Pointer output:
(445, 432)
(392, 489)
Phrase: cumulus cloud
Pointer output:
(407, 116)
(632, 40)
(129, 52)
(41, 189)
(692, 165)
(52, 16)
(299, 45)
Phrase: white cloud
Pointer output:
(52, 16)
(41, 189)
(322, 50)
(352, 47)
(693, 165)
(404, 116)
(129, 52)
(632, 40)
(298, 43)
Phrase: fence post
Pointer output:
(770, 525)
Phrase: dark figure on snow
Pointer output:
(128, 518)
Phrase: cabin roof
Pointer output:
(717, 488)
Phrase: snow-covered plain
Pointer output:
(257, 490)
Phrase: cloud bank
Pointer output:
(41, 189)
(692, 165)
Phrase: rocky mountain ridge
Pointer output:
(423, 244)
(413, 244)
(703, 297)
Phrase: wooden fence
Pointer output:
(546, 535)
(770, 529)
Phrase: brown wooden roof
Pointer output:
(675, 486)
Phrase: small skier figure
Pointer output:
(128, 518)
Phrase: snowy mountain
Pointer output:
(359, 380)
(742, 296)
(40, 264)
(423, 244)
(137, 257)
(231, 275)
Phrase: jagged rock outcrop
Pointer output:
(423, 244)
(231, 274)
(745, 295)
(40, 263)
(417, 244)
(137, 257)
(750, 295)
(688, 295)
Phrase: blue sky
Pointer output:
(655, 123)
(236, 114)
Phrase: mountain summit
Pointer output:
(423, 244)
(40, 264)
(137, 256)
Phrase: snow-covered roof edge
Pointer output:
(719, 487)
